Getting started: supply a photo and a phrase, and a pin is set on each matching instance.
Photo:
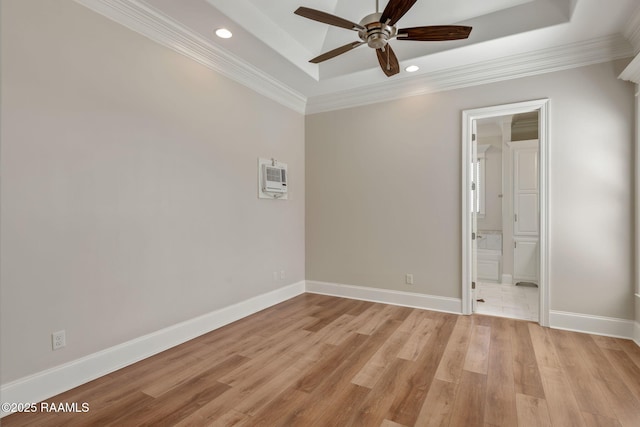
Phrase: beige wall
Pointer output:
(383, 189)
(129, 187)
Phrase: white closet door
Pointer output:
(525, 260)
(525, 210)
(526, 192)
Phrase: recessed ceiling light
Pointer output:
(223, 33)
(412, 68)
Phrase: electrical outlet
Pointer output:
(275, 276)
(282, 274)
(58, 340)
(408, 279)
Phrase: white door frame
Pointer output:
(468, 116)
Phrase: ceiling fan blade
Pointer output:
(395, 10)
(434, 33)
(388, 61)
(335, 52)
(327, 18)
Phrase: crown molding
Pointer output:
(141, 18)
(632, 72)
(559, 58)
(631, 30)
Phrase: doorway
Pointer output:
(518, 230)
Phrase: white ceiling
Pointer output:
(271, 45)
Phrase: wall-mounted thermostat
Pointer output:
(272, 179)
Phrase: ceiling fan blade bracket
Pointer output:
(395, 10)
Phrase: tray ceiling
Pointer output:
(271, 45)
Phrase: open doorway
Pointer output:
(507, 200)
(505, 211)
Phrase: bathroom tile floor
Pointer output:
(516, 302)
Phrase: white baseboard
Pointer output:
(48, 383)
(386, 296)
(636, 326)
(597, 325)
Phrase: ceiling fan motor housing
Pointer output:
(375, 33)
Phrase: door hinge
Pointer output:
(515, 245)
(515, 217)
(473, 285)
(473, 137)
(473, 236)
(473, 186)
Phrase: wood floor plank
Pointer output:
(348, 398)
(619, 395)
(468, 409)
(318, 373)
(275, 340)
(562, 405)
(477, 357)
(544, 350)
(623, 404)
(450, 367)
(607, 343)
(588, 393)
(631, 348)
(593, 420)
(375, 367)
(627, 370)
(525, 366)
(188, 371)
(328, 315)
(374, 409)
(418, 338)
(389, 423)
(374, 322)
(171, 408)
(282, 411)
(232, 419)
(532, 411)
(336, 388)
(355, 324)
(264, 394)
(438, 405)
(403, 387)
(500, 404)
(409, 399)
(274, 356)
(292, 365)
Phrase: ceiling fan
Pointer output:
(378, 28)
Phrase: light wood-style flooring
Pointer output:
(324, 361)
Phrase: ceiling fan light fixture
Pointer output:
(377, 29)
(223, 33)
(412, 68)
